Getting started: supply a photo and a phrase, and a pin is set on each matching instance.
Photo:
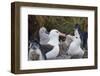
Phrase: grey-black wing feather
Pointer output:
(46, 48)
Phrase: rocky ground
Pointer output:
(62, 54)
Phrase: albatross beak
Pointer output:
(62, 34)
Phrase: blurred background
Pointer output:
(64, 24)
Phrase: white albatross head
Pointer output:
(43, 35)
(54, 37)
(42, 30)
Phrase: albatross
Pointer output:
(83, 36)
(51, 49)
(75, 50)
(44, 35)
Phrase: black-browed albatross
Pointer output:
(51, 49)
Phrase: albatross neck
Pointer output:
(54, 41)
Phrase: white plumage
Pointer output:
(74, 48)
(44, 36)
(54, 41)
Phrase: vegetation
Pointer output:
(62, 23)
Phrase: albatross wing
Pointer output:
(46, 48)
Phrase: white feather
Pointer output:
(75, 48)
(54, 40)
